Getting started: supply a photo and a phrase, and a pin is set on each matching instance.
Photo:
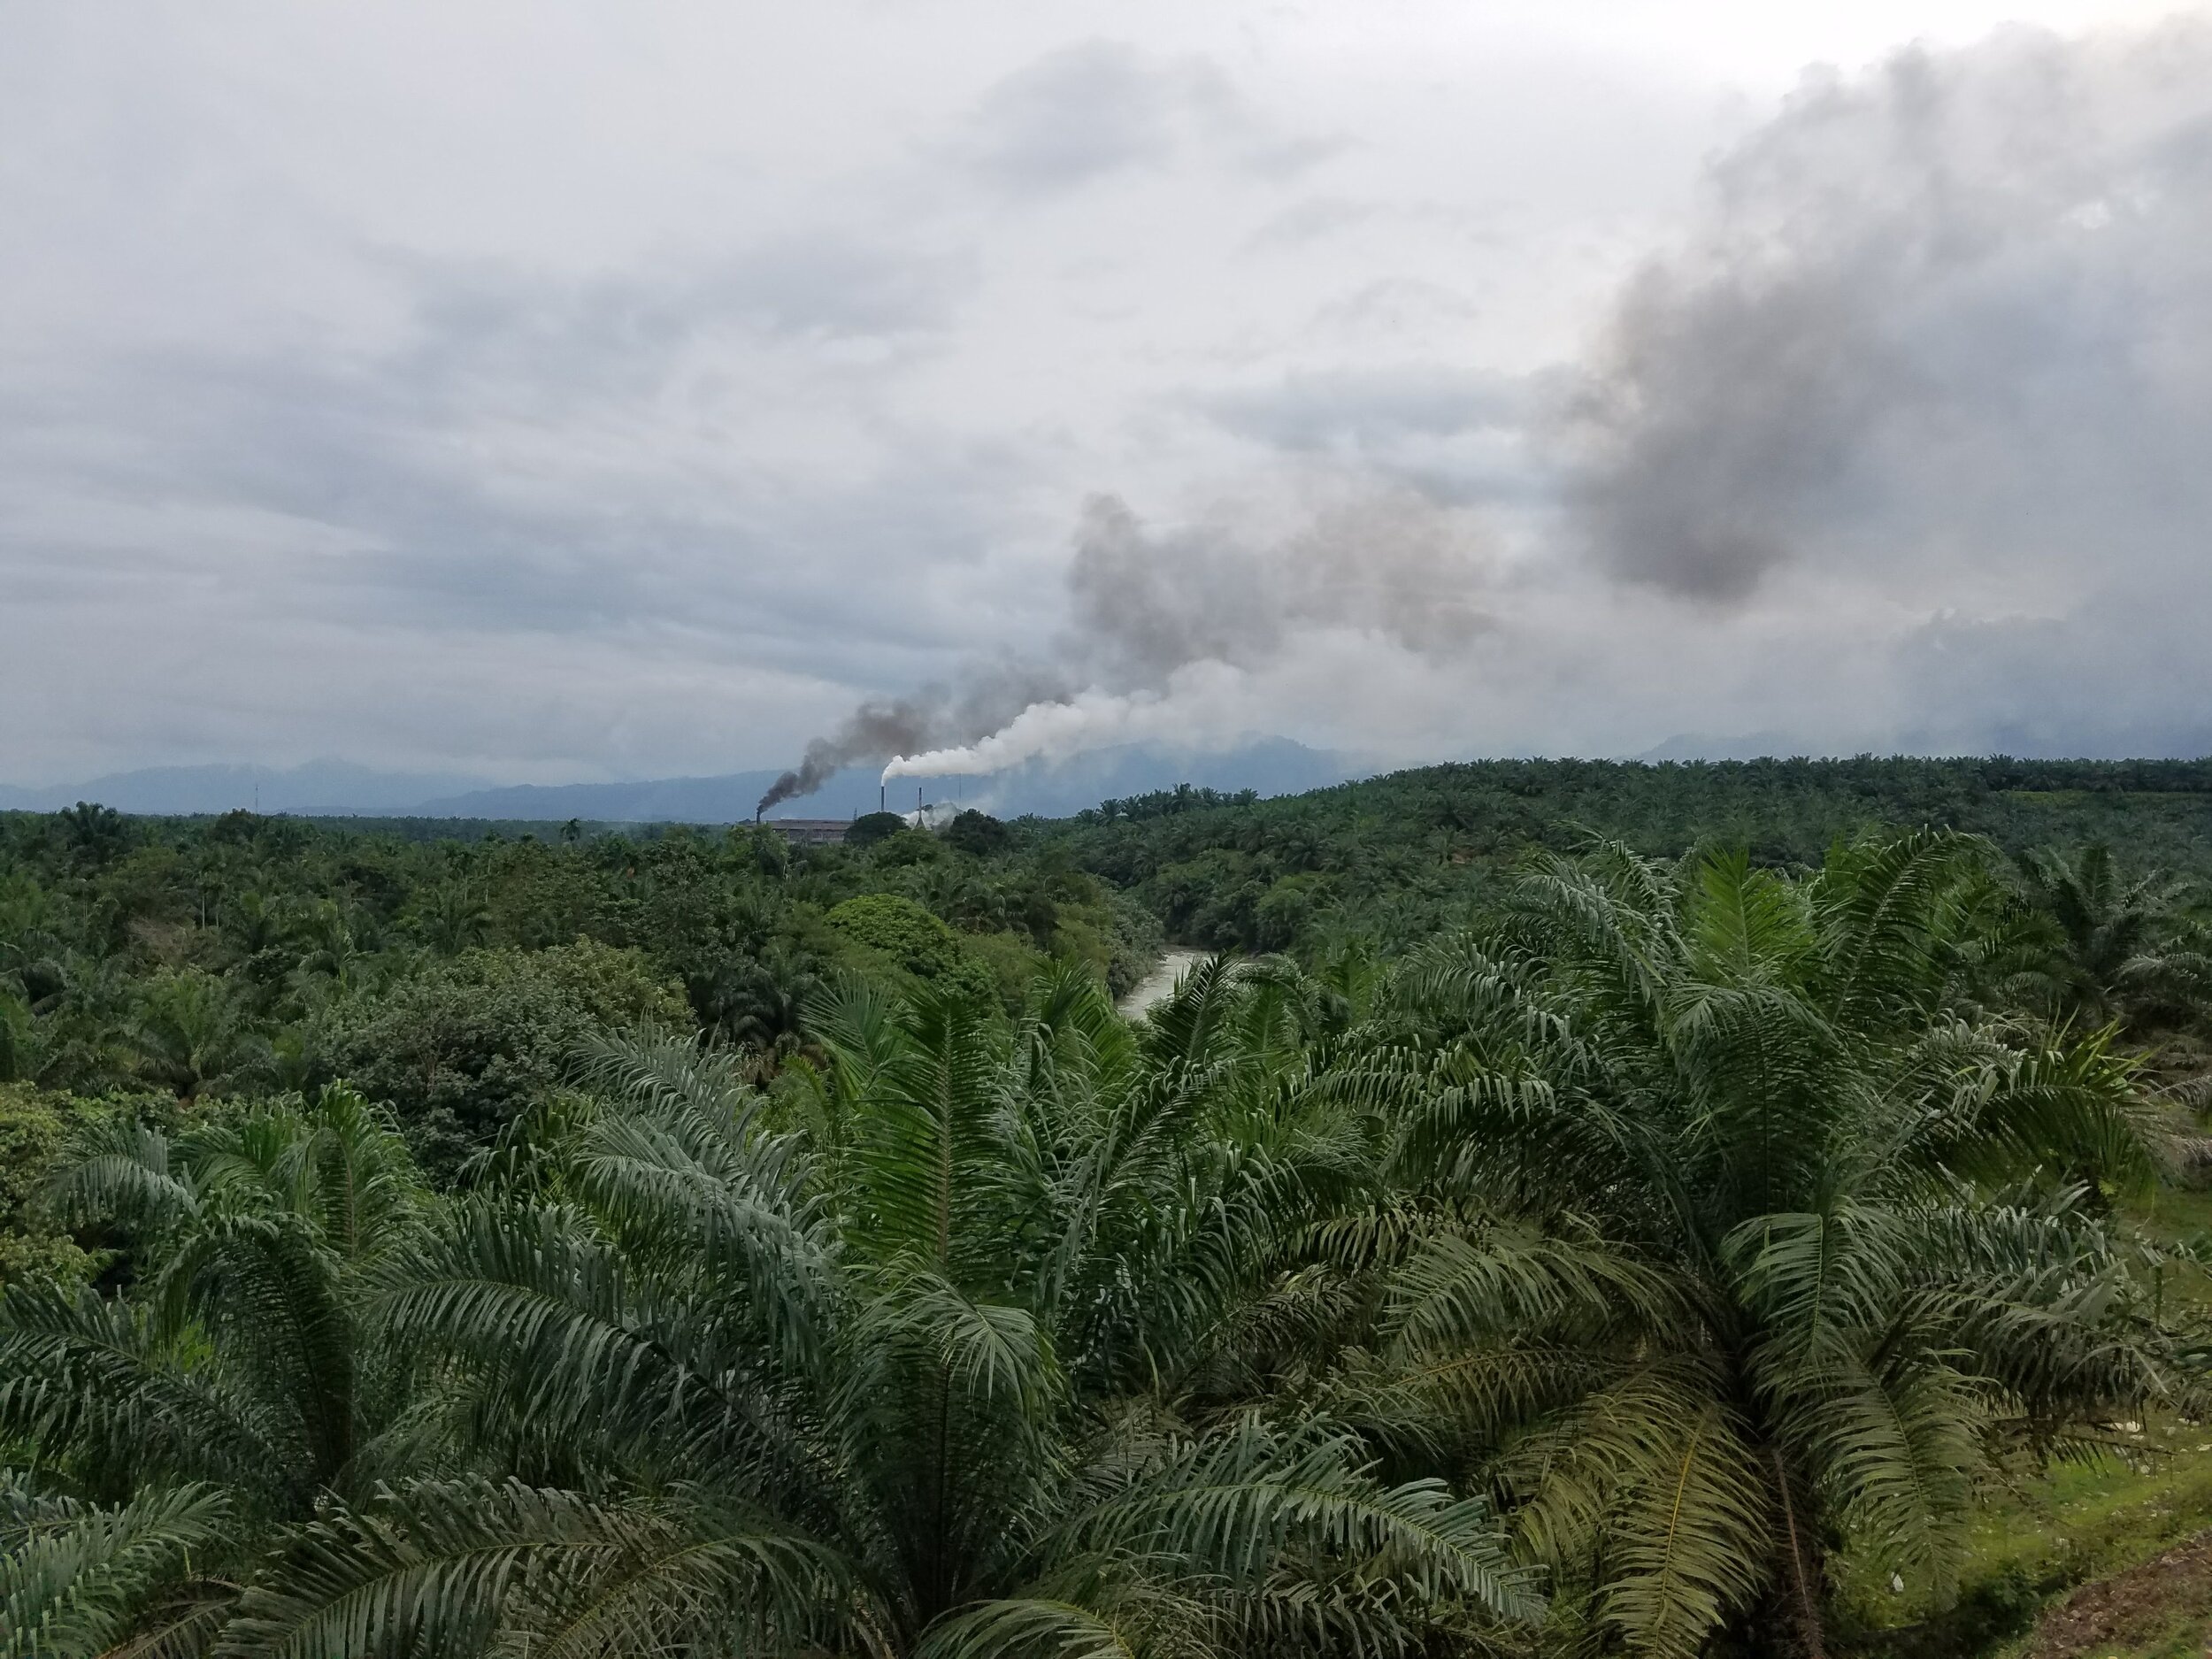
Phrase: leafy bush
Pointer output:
(1010, 961)
(894, 935)
(35, 1128)
(462, 1049)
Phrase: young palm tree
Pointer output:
(920, 1367)
(171, 1433)
(1721, 1244)
(2082, 944)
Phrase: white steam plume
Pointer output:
(1087, 719)
(1164, 626)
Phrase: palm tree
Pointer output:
(332, 941)
(174, 1432)
(192, 1035)
(452, 917)
(1719, 1245)
(2082, 944)
(929, 1366)
(254, 921)
(760, 1001)
(94, 833)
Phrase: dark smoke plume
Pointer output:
(878, 729)
(874, 728)
(1960, 307)
(1145, 605)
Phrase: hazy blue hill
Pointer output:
(722, 800)
(1267, 765)
(318, 786)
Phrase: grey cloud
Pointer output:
(1310, 221)
(1457, 436)
(825, 285)
(1372, 407)
(1084, 111)
(1959, 309)
(278, 397)
(484, 478)
(2113, 676)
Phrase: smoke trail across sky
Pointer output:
(1163, 621)
(1957, 310)
(1935, 358)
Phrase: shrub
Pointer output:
(893, 935)
(461, 1050)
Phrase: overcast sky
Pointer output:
(558, 391)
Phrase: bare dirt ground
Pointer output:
(2164, 1607)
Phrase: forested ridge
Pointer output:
(1587, 1207)
(1395, 856)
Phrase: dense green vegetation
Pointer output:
(1398, 857)
(1601, 1228)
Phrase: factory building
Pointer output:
(811, 832)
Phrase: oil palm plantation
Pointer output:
(172, 1435)
(1719, 1243)
(906, 1371)
(927, 1357)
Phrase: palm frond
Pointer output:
(78, 1579)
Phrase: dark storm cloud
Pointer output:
(1959, 309)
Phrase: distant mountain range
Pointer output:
(1268, 765)
(319, 787)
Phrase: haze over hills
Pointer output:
(1270, 765)
(318, 786)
